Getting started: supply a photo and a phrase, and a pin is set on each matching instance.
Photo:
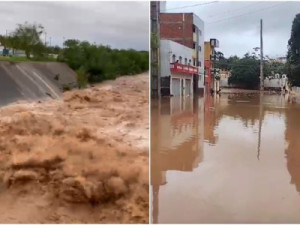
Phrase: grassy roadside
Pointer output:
(24, 59)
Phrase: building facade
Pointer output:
(177, 71)
(187, 30)
(210, 58)
(207, 65)
(224, 76)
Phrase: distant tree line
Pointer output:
(100, 62)
(245, 71)
(93, 63)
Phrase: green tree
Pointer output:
(245, 72)
(27, 37)
(293, 55)
(274, 68)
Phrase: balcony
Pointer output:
(194, 37)
(185, 69)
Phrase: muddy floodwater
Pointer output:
(233, 158)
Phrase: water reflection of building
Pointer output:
(210, 121)
(293, 145)
(246, 106)
(176, 140)
(250, 109)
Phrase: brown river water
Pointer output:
(233, 158)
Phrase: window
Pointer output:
(200, 32)
(194, 28)
(194, 62)
(199, 63)
(199, 48)
(194, 45)
(185, 61)
(190, 62)
(180, 59)
(173, 58)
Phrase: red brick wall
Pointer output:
(208, 77)
(172, 27)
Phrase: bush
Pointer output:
(82, 78)
(66, 87)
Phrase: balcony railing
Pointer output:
(186, 69)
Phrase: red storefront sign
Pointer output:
(180, 68)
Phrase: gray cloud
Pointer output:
(236, 24)
(118, 24)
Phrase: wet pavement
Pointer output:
(233, 158)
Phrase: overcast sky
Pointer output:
(118, 24)
(236, 24)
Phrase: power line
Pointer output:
(234, 10)
(221, 20)
(188, 6)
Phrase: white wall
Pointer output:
(167, 49)
(224, 82)
(275, 82)
(200, 24)
(164, 58)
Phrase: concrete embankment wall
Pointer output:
(34, 80)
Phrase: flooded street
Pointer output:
(233, 158)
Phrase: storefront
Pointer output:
(182, 79)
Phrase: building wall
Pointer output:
(275, 83)
(224, 82)
(199, 32)
(186, 29)
(167, 49)
(207, 50)
(207, 74)
(177, 27)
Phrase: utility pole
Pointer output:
(45, 38)
(261, 57)
(155, 49)
(50, 41)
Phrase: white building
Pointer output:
(177, 64)
(198, 54)
(277, 83)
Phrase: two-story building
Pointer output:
(209, 57)
(177, 70)
(187, 30)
